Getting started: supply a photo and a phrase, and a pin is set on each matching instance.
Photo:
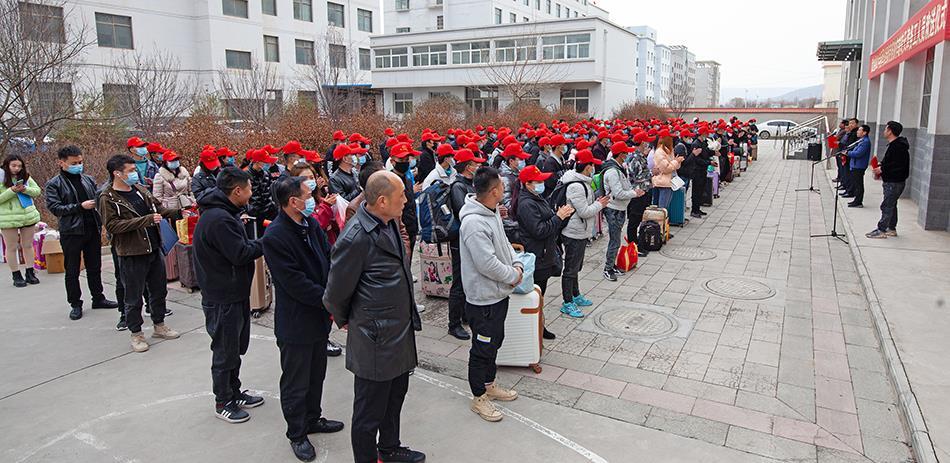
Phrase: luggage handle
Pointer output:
(534, 310)
(518, 247)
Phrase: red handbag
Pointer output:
(627, 256)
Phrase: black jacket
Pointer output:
(370, 289)
(460, 188)
(345, 184)
(203, 182)
(224, 256)
(540, 228)
(63, 202)
(426, 164)
(896, 164)
(600, 151)
(299, 261)
(409, 218)
(556, 167)
(699, 165)
(262, 205)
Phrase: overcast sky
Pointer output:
(760, 44)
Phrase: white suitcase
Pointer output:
(524, 327)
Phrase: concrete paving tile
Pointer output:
(797, 326)
(770, 446)
(693, 388)
(593, 383)
(758, 378)
(797, 372)
(572, 362)
(612, 407)
(872, 385)
(435, 346)
(548, 372)
(827, 455)
(662, 355)
(633, 375)
(658, 398)
(575, 342)
(767, 331)
(797, 347)
(832, 365)
(834, 394)
(688, 426)
(880, 420)
(794, 429)
(547, 391)
(765, 353)
(860, 336)
(736, 336)
(630, 352)
(859, 317)
(712, 323)
(736, 416)
(829, 341)
(883, 450)
(865, 358)
(824, 305)
(691, 365)
(703, 342)
(827, 321)
(842, 425)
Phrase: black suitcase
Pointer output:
(708, 194)
(185, 255)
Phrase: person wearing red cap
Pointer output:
(544, 151)
(209, 165)
(344, 181)
(147, 169)
(339, 138)
(384, 145)
(172, 184)
(579, 228)
(665, 164)
(443, 171)
(616, 185)
(555, 164)
(262, 206)
(467, 164)
(427, 158)
(292, 154)
(700, 158)
(601, 149)
(641, 179)
(401, 156)
(155, 152)
(514, 160)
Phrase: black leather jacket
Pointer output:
(370, 289)
(540, 228)
(62, 201)
(345, 184)
(460, 188)
(203, 182)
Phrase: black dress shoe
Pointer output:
(548, 335)
(852, 204)
(846, 195)
(642, 253)
(459, 333)
(75, 313)
(304, 450)
(104, 304)
(324, 426)
(334, 349)
(402, 455)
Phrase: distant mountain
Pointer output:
(769, 93)
(807, 92)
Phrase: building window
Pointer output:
(576, 99)
(236, 8)
(337, 56)
(558, 9)
(527, 2)
(114, 31)
(516, 49)
(497, 15)
(471, 52)
(566, 46)
(440, 22)
(335, 14)
(402, 30)
(402, 5)
(429, 55)
(303, 10)
(575, 13)
(537, 5)
(547, 4)
(303, 49)
(928, 88)
(364, 20)
(482, 99)
(567, 12)
(52, 98)
(235, 59)
(531, 96)
(308, 97)
(440, 95)
(271, 49)
(122, 100)
(42, 23)
(402, 102)
(392, 57)
(366, 59)
(525, 19)
(269, 7)
(512, 17)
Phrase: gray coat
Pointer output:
(370, 289)
(617, 185)
(488, 272)
(581, 198)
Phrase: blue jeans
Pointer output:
(664, 197)
(892, 192)
(615, 220)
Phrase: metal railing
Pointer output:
(811, 130)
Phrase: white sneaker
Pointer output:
(420, 308)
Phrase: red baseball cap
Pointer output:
(262, 155)
(465, 155)
(310, 156)
(403, 150)
(533, 174)
(686, 134)
(445, 149)
(270, 149)
(558, 140)
(357, 137)
(355, 148)
(209, 159)
(621, 147)
(389, 132)
(586, 157)
(345, 150)
(168, 155)
(544, 141)
(135, 142)
(339, 136)
(642, 137)
(582, 144)
(426, 136)
(222, 152)
(471, 146)
(292, 147)
(155, 148)
(515, 150)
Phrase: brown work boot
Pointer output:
(496, 392)
(162, 331)
(484, 407)
(138, 342)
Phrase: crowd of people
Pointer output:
(338, 231)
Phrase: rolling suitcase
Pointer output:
(171, 266)
(713, 179)
(436, 269)
(661, 217)
(186, 266)
(524, 329)
(262, 289)
(708, 195)
(677, 210)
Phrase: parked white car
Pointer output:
(778, 128)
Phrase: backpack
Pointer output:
(650, 236)
(600, 186)
(558, 197)
(436, 221)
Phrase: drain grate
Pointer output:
(636, 323)
(739, 288)
(690, 253)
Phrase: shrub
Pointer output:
(641, 110)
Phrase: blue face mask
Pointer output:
(74, 169)
(174, 164)
(266, 166)
(229, 160)
(309, 206)
(412, 163)
(141, 151)
(539, 188)
(312, 184)
(362, 159)
(521, 164)
(131, 178)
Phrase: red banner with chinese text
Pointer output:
(925, 29)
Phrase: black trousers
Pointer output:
(857, 185)
(892, 192)
(229, 326)
(376, 409)
(573, 264)
(303, 369)
(635, 214)
(119, 287)
(87, 247)
(843, 172)
(488, 332)
(138, 273)
(699, 192)
(412, 246)
(456, 292)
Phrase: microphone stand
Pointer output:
(834, 223)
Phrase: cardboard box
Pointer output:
(55, 262)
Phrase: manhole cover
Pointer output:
(739, 288)
(636, 323)
(687, 253)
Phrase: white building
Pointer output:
(663, 72)
(209, 38)
(684, 69)
(583, 63)
(831, 90)
(707, 84)
(404, 16)
(646, 63)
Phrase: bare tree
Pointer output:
(333, 71)
(252, 96)
(149, 90)
(517, 69)
(678, 97)
(39, 58)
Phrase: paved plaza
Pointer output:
(743, 340)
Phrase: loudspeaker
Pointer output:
(814, 152)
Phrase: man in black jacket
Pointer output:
(298, 256)
(893, 170)
(427, 159)
(208, 169)
(224, 265)
(466, 163)
(699, 160)
(262, 206)
(344, 181)
(370, 293)
(71, 197)
(400, 155)
(555, 164)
